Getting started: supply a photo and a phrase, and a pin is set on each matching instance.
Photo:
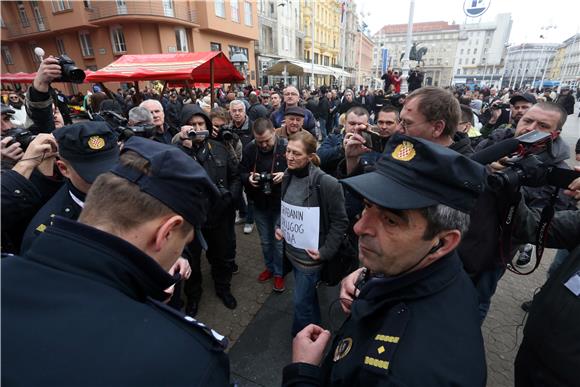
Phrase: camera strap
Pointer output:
(541, 233)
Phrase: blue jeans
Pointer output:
(486, 286)
(247, 210)
(306, 308)
(266, 221)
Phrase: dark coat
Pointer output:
(61, 204)
(424, 324)
(462, 144)
(254, 160)
(39, 109)
(567, 102)
(84, 307)
(552, 332)
(323, 108)
(257, 110)
(222, 168)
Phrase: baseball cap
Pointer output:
(294, 111)
(523, 97)
(91, 148)
(174, 178)
(6, 109)
(416, 173)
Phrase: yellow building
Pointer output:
(553, 72)
(327, 16)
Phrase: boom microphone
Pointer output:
(496, 151)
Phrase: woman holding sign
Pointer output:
(313, 221)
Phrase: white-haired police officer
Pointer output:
(85, 305)
(414, 321)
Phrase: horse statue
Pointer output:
(415, 54)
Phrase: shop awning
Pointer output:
(18, 77)
(187, 66)
(299, 68)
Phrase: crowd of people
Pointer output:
(106, 216)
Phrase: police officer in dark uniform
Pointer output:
(414, 321)
(84, 306)
(86, 150)
(218, 230)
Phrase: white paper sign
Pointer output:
(300, 225)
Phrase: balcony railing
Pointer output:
(34, 26)
(180, 10)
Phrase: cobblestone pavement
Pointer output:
(502, 329)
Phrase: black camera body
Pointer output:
(374, 140)
(202, 134)
(69, 71)
(527, 167)
(500, 106)
(226, 134)
(265, 179)
(22, 136)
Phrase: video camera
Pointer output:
(526, 166)
(124, 131)
(193, 135)
(22, 136)
(225, 134)
(265, 179)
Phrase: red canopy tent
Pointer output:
(17, 77)
(189, 67)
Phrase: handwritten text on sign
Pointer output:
(300, 225)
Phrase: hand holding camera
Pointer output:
(48, 71)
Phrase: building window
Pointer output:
(60, 46)
(7, 56)
(458, 71)
(247, 13)
(22, 14)
(468, 51)
(181, 40)
(461, 52)
(121, 7)
(86, 44)
(168, 8)
(118, 40)
(316, 58)
(60, 5)
(235, 6)
(238, 50)
(474, 51)
(87, 4)
(473, 61)
(215, 46)
(2, 24)
(326, 60)
(220, 8)
(438, 61)
(460, 61)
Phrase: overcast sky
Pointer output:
(528, 16)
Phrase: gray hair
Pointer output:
(441, 217)
(238, 102)
(151, 101)
(140, 115)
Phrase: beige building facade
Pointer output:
(95, 33)
(364, 59)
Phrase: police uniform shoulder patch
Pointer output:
(405, 151)
(96, 142)
(342, 349)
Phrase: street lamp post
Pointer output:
(406, 68)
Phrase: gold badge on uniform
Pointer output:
(405, 151)
(96, 142)
(342, 349)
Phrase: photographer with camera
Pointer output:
(262, 169)
(41, 102)
(10, 147)
(503, 117)
(218, 230)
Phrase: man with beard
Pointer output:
(519, 105)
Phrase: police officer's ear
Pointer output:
(167, 228)
(447, 242)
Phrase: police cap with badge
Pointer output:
(416, 173)
(174, 179)
(90, 147)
